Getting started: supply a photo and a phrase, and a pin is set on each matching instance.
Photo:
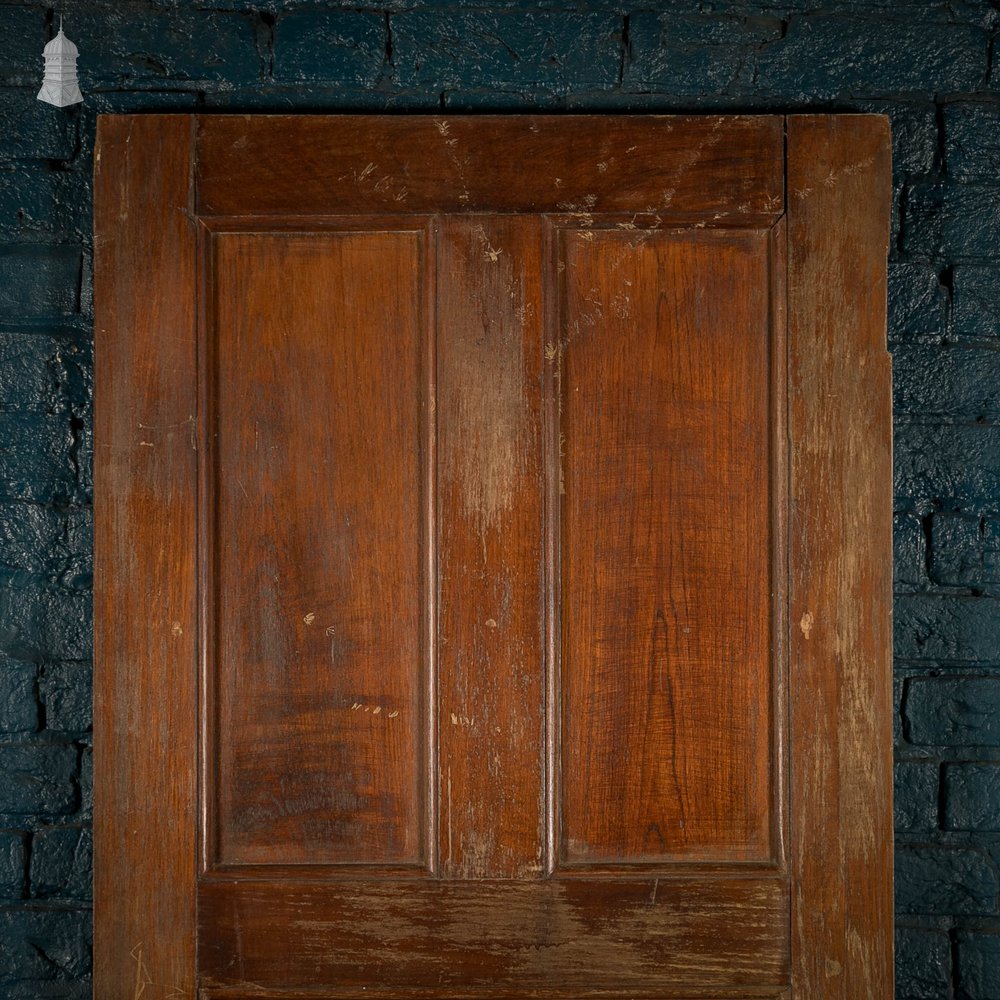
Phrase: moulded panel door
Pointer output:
(493, 557)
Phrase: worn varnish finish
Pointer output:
(145, 620)
(730, 166)
(490, 685)
(488, 480)
(625, 934)
(666, 401)
(314, 548)
(841, 557)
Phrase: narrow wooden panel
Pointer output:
(579, 935)
(691, 993)
(666, 546)
(658, 164)
(489, 317)
(145, 621)
(841, 557)
(315, 656)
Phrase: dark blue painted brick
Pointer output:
(67, 693)
(13, 856)
(972, 797)
(22, 38)
(909, 550)
(43, 946)
(704, 29)
(953, 711)
(45, 541)
(972, 140)
(953, 381)
(86, 783)
(339, 46)
(32, 129)
(965, 550)
(945, 880)
(38, 201)
(947, 628)
(923, 964)
(18, 700)
(124, 42)
(39, 282)
(956, 549)
(62, 860)
(976, 308)
(36, 461)
(915, 796)
(38, 778)
(826, 56)
(956, 465)
(500, 100)
(914, 130)
(917, 300)
(952, 220)
(332, 98)
(691, 55)
(48, 623)
(37, 370)
(557, 51)
(979, 965)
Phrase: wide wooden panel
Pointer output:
(489, 319)
(839, 183)
(633, 936)
(666, 546)
(314, 656)
(145, 616)
(657, 164)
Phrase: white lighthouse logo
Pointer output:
(60, 87)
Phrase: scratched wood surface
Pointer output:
(488, 276)
(658, 164)
(145, 618)
(666, 612)
(841, 556)
(490, 427)
(638, 993)
(314, 546)
(584, 934)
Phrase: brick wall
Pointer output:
(927, 64)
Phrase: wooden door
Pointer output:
(493, 558)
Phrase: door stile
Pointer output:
(840, 526)
(145, 615)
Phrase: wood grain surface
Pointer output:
(666, 165)
(145, 614)
(533, 569)
(840, 534)
(666, 545)
(489, 324)
(314, 543)
(624, 934)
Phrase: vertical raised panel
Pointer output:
(489, 317)
(840, 515)
(313, 540)
(145, 620)
(666, 547)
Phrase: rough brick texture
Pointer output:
(923, 963)
(979, 965)
(946, 880)
(928, 64)
(972, 797)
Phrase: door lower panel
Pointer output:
(576, 934)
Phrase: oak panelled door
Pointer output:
(493, 580)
